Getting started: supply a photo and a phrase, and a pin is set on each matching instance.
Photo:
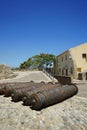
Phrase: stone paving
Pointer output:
(70, 114)
(26, 76)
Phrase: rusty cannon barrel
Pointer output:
(50, 97)
(27, 95)
(9, 88)
(3, 86)
(17, 94)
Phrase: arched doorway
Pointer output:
(80, 76)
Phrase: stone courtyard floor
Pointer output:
(70, 114)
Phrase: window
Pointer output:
(65, 57)
(59, 69)
(62, 72)
(78, 69)
(62, 58)
(84, 55)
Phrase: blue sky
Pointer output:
(30, 27)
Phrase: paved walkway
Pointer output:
(82, 86)
(27, 76)
(70, 114)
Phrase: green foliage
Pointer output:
(37, 60)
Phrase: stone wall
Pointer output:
(5, 72)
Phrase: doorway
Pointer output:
(66, 71)
(86, 75)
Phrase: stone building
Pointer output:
(72, 62)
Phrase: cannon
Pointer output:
(17, 94)
(27, 95)
(9, 88)
(3, 86)
(50, 97)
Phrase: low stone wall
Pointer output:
(63, 79)
(6, 72)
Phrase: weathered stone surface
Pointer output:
(68, 115)
(5, 72)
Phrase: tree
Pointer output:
(37, 60)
